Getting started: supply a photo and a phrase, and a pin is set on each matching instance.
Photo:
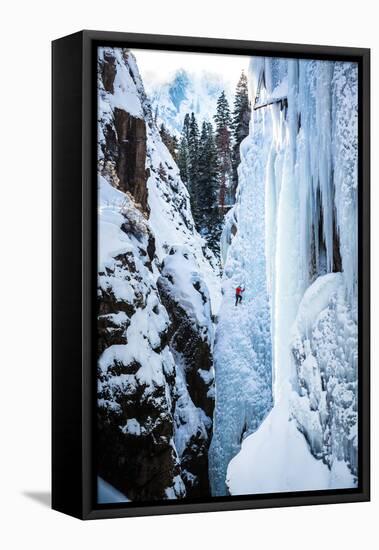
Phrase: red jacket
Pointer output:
(239, 290)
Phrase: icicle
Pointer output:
(323, 121)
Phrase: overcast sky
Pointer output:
(156, 67)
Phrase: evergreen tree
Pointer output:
(186, 127)
(174, 148)
(193, 157)
(156, 114)
(222, 117)
(170, 141)
(164, 134)
(208, 169)
(199, 156)
(223, 140)
(240, 123)
(183, 151)
(183, 159)
(188, 159)
(209, 221)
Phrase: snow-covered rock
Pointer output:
(325, 348)
(136, 371)
(186, 298)
(155, 397)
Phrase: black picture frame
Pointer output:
(75, 242)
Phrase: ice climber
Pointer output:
(239, 291)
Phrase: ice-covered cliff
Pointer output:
(308, 157)
(156, 288)
(242, 350)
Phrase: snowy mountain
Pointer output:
(185, 93)
(307, 155)
(156, 290)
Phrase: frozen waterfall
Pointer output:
(292, 240)
(242, 349)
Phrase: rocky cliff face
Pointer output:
(123, 144)
(186, 299)
(155, 371)
(136, 372)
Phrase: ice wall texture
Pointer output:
(311, 251)
(242, 349)
(155, 287)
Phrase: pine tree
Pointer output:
(188, 158)
(209, 221)
(208, 169)
(223, 140)
(174, 148)
(193, 154)
(186, 127)
(156, 115)
(222, 117)
(240, 123)
(183, 159)
(183, 151)
(170, 141)
(164, 133)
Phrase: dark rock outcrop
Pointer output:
(108, 71)
(195, 351)
(190, 341)
(131, 155)
(135, 449)
(124, 144)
